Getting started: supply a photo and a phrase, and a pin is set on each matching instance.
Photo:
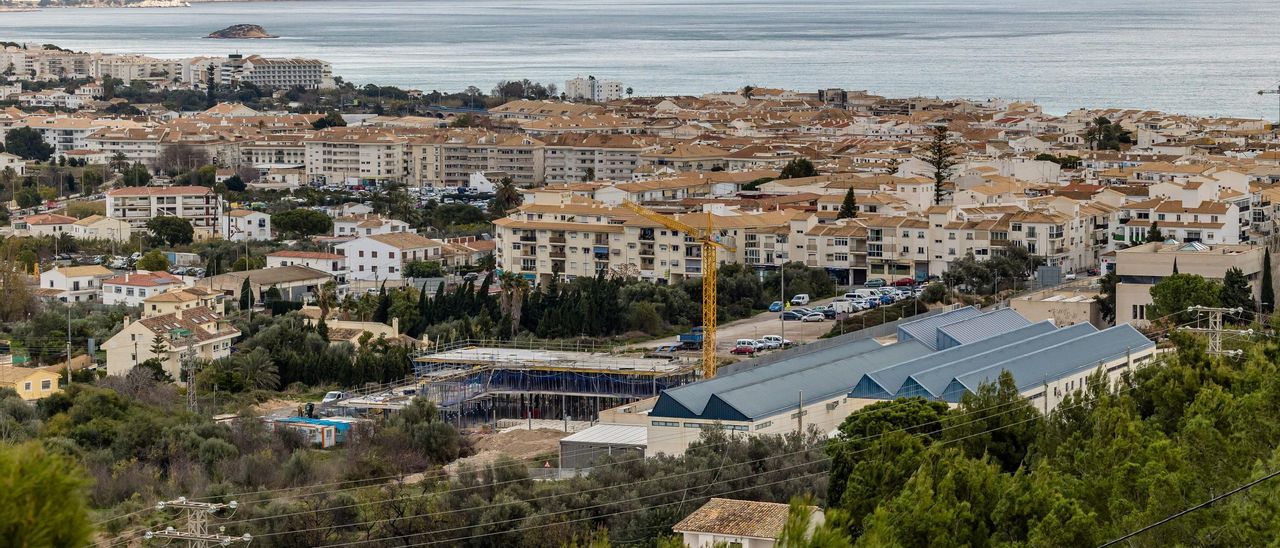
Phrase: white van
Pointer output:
(867, 293)
(800, 300)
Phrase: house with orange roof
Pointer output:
(131, 288)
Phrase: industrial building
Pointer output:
(940, 358)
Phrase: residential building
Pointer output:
(239, 225)
(367, 224)
(31, 383)
(131, 288)
(738, 523)
(593, 89)
(73, 284)
(331, 263)
(196, 333)
(136, 205)
(1142, 266)
(384, 256)
(294, 282)
(14, 162)
(45, 224)
(355, 156)
(180, 298)
(276, 73)
(99, 227)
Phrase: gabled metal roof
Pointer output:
(931, 382)
(884, 382)
(926, 330)
(980, 327)
(763, 399)
(1083, 353)
(690, 400)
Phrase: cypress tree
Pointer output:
(246, 295)
(1175, 265)
(848, 209)
(1268, 291)
(323, 330)
(384, 305)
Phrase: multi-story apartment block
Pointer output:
(128, 68)
(574, 157)
(273, 152)
(593, 89)
(137, 144)
(136, 205)
(355, 156)
(276, 73)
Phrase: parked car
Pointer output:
(875, 282)
(800, 300)
(791, 316)
(775, 306)
(803, 310)
(768, 344)
(814, 317)
(1069, 276)
(744, 350)
(782, 343)
(886, 299)
(904, 282)
(333, 396)
(829, 313)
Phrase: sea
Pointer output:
(1200, 57)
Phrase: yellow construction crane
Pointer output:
(707, 238)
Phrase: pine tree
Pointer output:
(159, 347)
(1154, 235)
(1268, 291)
(322, 329)
(848, 209)
(941, 155)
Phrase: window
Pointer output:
(764, 425)
(373, 254)
(45, 384)
(390, 254)
(665, 423)
(26, 386)
(693, 425)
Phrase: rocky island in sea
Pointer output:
(241, 32)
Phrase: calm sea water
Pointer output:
(1195, 57)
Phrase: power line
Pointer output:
(1180, 513)
(197, 531)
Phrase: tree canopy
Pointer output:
(301, 223)
(798, 168)
(154, 261)
(170, 231)
(27, 143)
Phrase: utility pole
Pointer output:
(1215, 330)
(196, 533)
(68, 344)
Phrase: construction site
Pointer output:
(482, 382)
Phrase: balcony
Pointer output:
(556, 238)
(557, 254)
(529, 239)
(999, 243)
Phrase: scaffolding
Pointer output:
(486, 381)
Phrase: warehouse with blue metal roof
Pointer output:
(940, 358)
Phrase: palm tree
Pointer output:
(259, 371)
(511, 300)
(327, 298)
(119, 162)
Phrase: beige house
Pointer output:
(31, 383)
(45, 224)
(99, 227)
(73, 284)
(738, 523)
(1064, 307)
(192, 333)
(185, 298)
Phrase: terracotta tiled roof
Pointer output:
(304, 255)
(742, 518)
(151, 279)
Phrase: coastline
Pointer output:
(144, 4)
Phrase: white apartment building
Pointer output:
(239, 225)
(131, 288)
(384, 256)
(73, 284)
(276, 73)
(138, 67)
(593, 89)
(574, 157)
(330, 263)
(137, 144)
(136, 205)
